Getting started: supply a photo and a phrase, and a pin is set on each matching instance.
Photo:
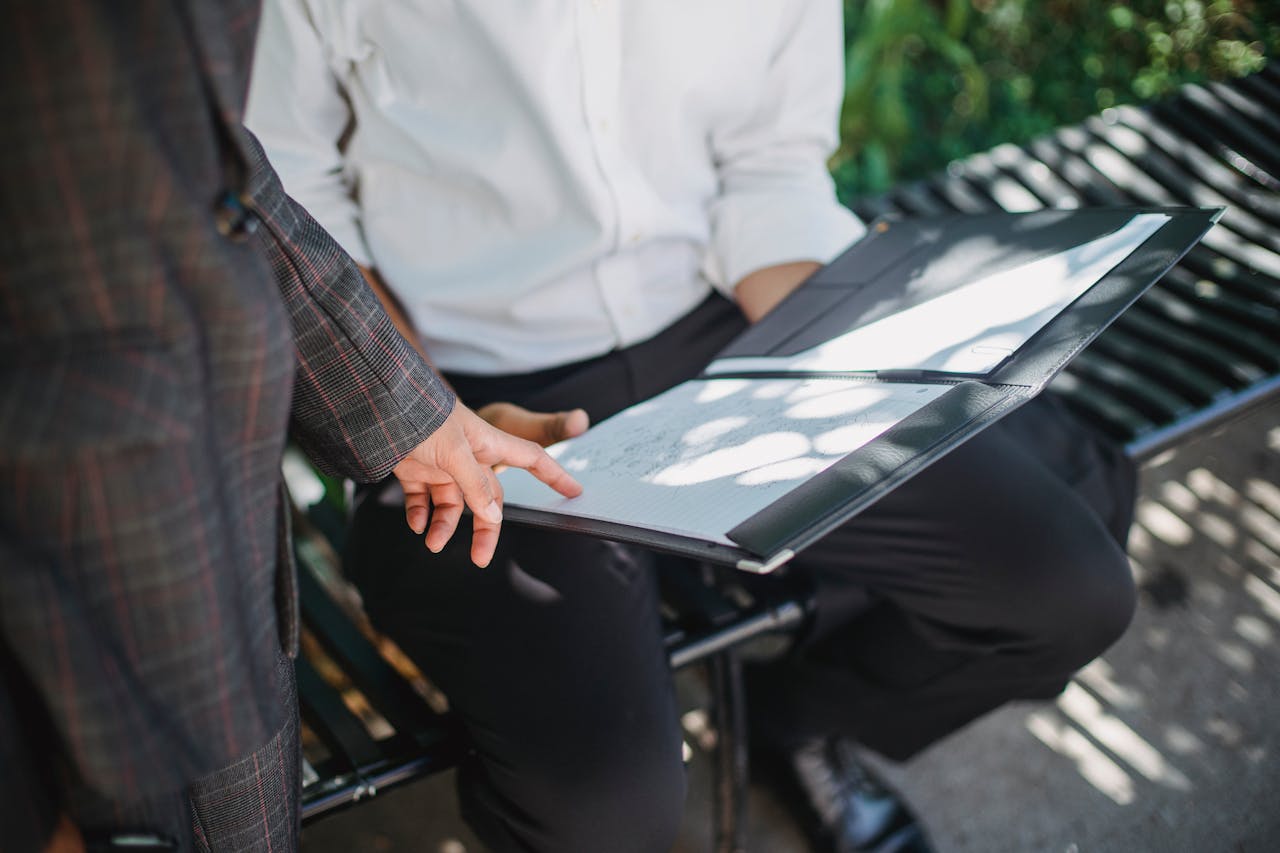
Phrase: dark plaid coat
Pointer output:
(152, 354)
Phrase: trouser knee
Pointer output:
(1085, 608)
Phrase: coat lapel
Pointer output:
(222, 38)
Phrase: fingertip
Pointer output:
(481, 552)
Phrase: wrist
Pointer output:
(759, 292)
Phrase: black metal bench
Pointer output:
(1202, 345)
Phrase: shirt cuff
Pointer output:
(752, 233)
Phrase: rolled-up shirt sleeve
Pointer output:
(776, 202)
(297, 110)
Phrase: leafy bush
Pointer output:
(928, 82)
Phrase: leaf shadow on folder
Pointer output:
(706, 455)
(917, 273)
(958, 305)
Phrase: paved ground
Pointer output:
(1170, 742)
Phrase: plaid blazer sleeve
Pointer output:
(363, 397)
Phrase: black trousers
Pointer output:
(994, 574)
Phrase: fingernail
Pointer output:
(493, 512)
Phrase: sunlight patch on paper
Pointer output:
(855, 399)
(712, 453)
(730, 461)
(712, 430)
(790, 470)
(714, 391)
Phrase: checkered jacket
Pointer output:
(153, 353)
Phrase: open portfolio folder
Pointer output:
(915, 339)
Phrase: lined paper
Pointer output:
(703, 457)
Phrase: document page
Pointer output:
(705, 456)
(971, 329)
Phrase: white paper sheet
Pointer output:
(707, 455)
(973, 328)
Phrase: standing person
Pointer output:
(166, 311)
(577, 204)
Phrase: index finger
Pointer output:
(518, 453)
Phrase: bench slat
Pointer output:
(1089, 185)
(1200, 165)
(1250, 345)
(918, 199)
(960, 195)
(1239, 132)
(1221, 132)
(1250, 284)
(871, 208)
(1162, 334)
(341, 731)
(389, 694)
(1212, 297)
(1256, 86)
(1156, 402)
(1155, 441)
(1153, 178)
(1188, 378)
(1080, 178)
(1100, 407)
(1036, 176)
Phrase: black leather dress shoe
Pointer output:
(842, 805)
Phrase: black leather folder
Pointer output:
(897, 266)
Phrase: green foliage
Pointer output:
(929, 81)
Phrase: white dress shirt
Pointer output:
(542, 181)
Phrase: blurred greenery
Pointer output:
(929, 81)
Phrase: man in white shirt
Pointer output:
(576, 203)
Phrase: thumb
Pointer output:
(562, 425)
(544, 428)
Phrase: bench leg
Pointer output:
(728, 708)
